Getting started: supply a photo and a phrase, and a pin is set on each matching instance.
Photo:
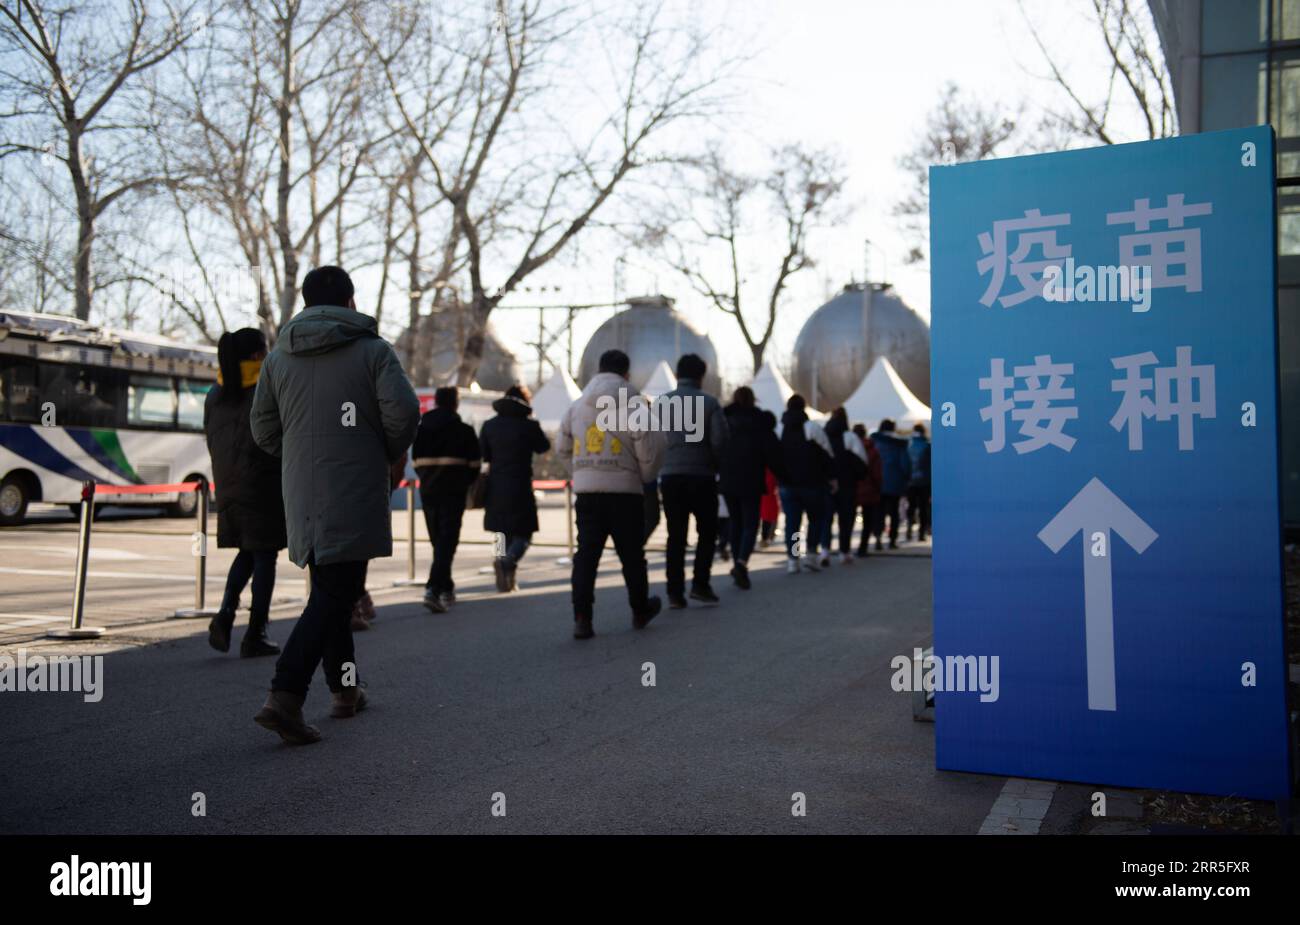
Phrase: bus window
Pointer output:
(83, 396)
(18, 390)
(192, 393)
(150, 401)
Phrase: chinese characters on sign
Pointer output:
(1182, 392)
(1173, 255)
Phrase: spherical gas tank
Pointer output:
(841, 340)
(650, 331)
(436, 355)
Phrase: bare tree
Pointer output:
(1138, 92)
(717, 213)
(273, 131)
(1138, 76)
(497, 156)
(70, 72)
(958, 129)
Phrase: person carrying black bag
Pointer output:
(508, 442)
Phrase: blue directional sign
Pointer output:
(1107, 538)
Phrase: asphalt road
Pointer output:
(780, 690)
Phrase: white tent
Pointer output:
(881, 395)
(661, 380)
(771, 391)
(553, 398)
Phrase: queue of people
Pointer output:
(308, 440)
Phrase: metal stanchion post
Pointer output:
(76, 630)
(410, 578)
(201, 557)
(568, 522)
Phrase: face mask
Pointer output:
(249, 370)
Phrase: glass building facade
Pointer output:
(1235, 63)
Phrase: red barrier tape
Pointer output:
(144, 489)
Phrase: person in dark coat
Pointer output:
(334, 404)
(868, 491)
(509, 441)
(751, 449)
(769, 510)
(250, 506)
(918, 487)
(808, 465)
(447, 460)
(850, 468)
(896, 468)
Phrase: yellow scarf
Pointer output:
(249, 370)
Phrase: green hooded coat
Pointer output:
(334, 403)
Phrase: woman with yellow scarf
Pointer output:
(249, 502)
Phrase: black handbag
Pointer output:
(476, 496)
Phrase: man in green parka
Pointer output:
(334, 404)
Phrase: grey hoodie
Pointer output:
(608, 461)
(335, 405)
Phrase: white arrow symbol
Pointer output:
(1096, 509)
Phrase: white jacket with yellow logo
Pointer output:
(608, 461)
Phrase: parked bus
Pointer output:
(79, 401)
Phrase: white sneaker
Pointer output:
(810, 563)
(792, 566)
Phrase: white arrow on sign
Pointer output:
(1096, 509)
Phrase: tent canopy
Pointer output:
(661, 380)
(771, 391)
(554, 398)
(881, 395)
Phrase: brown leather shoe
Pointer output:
(347, 703)
(282, 714)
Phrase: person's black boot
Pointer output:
(640, 618)
(582, 628)
(704, 594)
(676, 601)
(740, 575)
(256, 643)
(219, 630)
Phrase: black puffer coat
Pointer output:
(751, 449)
(509, 441)
(250, 505)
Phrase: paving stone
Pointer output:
(1030, 807)
(1009, 825)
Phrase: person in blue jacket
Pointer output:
(918, 487)
(897, 473)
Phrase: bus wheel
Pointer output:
(14, 495)
(187, 503)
